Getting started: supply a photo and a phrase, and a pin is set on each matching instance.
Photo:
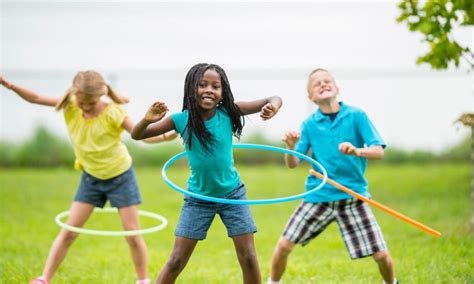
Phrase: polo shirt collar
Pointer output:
(319, 116)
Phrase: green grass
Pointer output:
(438, 196)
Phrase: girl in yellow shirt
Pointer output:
(95, 127)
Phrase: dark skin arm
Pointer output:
(147, 126)
(267, 107)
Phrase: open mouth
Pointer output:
(208, 99)
(324, 90)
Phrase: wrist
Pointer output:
(145, 121)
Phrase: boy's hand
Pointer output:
(291, 138)
(268, 111)
(6, 83)
(349, 149)
(156, 112)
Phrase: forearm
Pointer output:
(168, 136)
(139, 130)
(291, 161)
(371, 153)
(251, 107)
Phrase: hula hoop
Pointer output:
(254, 201)
(65, 226)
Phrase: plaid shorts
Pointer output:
(357, 224)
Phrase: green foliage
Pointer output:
(45, 149)
(152, 154)
(436, 20)
(458, 153)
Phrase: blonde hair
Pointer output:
(90, 83)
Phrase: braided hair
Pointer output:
(195, 123)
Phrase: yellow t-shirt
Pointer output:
(96, 141)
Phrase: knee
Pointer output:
(175, 263)
(249, 259)
(284, 247)
(134, 241)
(382, 257)
(68, 237)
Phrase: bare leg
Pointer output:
(182, 250)
(385, 264)
(280, 258)
(245, 249)
(129, 217)
(79, 213)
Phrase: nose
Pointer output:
(209, 90)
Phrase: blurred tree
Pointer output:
(436, 19)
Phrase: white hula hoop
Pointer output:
(65, 226)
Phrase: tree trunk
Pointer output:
(472, 177)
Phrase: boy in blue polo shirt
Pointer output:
(342, 139)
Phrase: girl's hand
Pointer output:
(6, 83)
(268, 111)
(349, 149)
(156, 112)
(291, 138)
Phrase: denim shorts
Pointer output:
(197, 215)
(121, 191)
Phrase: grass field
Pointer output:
(438, 196)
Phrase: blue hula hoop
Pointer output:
(259, 201)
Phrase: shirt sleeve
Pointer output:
(116, 116)
(368, 132)
(179, 120)
(303, 145)
(71, 111)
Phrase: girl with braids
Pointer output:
(94, 127)
(209, 119)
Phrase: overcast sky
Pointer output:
(145, 49)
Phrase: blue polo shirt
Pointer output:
(323, 136)
(212, 174)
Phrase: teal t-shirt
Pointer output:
(212, 174)
(323, 136)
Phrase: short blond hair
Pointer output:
(90, 83)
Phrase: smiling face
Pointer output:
(209, 91)
(89, 87)
(87, 103)
(321, 88)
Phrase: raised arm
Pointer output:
(267, 107)
(168, 136)
(155, 114)
(290, 140)
(28, 95)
